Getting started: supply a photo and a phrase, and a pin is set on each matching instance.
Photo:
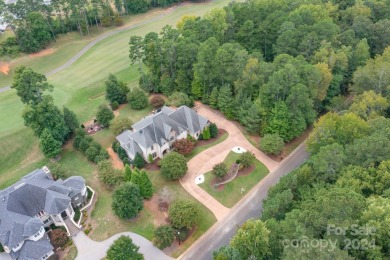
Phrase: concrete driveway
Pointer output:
(92, 250)
(205, 161)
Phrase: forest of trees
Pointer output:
(276, 66)
(38, 22)
(272, 65)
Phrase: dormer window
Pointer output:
(40, 214)
(151, 148)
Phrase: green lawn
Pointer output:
(231, 192)
(200, 149)
(107, 224)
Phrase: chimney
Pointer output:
(48, 173)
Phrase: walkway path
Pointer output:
(89, 249)
(101, 38)
(205, 161)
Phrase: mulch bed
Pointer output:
(205, 142)
(244, 172)
(153, 166)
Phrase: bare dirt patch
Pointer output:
(4, 68)
(116, 162)
(42, 53)
(160, 217)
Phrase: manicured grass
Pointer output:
(107, 224)
(200, 149)
(72, 253)
(231, 192)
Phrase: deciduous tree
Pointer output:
(173, 166)
(104, 115)
(127, 201)
(123, 248)
(50, 147)
(184, 214)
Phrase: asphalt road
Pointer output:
(99, 39)
(249, 207)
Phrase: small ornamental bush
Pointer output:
(58, 237)
(220, 170)
(163, 236)
(139, 161)
(114, 105)
(206, 133)
(247, 159)
(157, 101)
(213, 130)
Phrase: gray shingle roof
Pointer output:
(35, 249)
(156, 128)
(21, 202)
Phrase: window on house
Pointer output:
(154, 155)
(151, 148)
(45, 221)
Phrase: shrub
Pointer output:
(114, 105)
(184, 214)
(183, 146)
(247, 159)
(58, 237)
(206, 133)
(127, 201)
(116, 90)
(137, 98)
(123, 248)
(104, 115)
(271, 144)
(220, 170)
(173, 166)
(138, 161)
(150, 158)
(163, 236)
(157, 101)
(179, 99)
(213, 130)
(120, 124)
(1, 248)
(91, 153)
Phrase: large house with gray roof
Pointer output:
(33, 203)
(155, 134)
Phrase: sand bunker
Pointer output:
(4, 68)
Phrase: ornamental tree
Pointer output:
(120, 124)
(127, 201)
(173, 166)
(213, 130)
(247, 159)
(124, 249)
(183, 146)
(157, 101)
(184, 214)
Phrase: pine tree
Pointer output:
(127, 173)
(226, 102)
(141, 179)
(214, 98)
(139, 161)
(206, 133)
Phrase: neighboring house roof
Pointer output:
(156, 128)
(21, 202)
(35, 249)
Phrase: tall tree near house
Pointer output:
(50, 147)
(141, 179)
(46, 115)
(136, 51)
(127, 173)
(71, 121)
(30, 85)
(116, 90)
(139, 161)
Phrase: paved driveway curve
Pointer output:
(205, 161)
(89, 249)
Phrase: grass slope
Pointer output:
(231, 192)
